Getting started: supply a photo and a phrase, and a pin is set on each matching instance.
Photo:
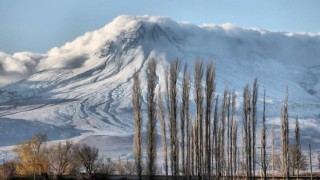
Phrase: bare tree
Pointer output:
(119, 167)
(238, 163)
(210, 90)
(247, 129)
(107, 166)
(254, 124)
(297, 161)
(172, 101)
(273, 151)
(88, 157)
(168, 102)
(184, 114)
(233, 140)
(229, 131)
(193, 145)
(62, 158)
(185, 120)
(215, 135)
(285, 137)
(152, 120)
(219, 149)
(263, 140)
(163, 131)
(136, 101)
(198, 74)
(129, 168)
(297, 147)
(8, 170)
(125, 167)
(243, 150)
(189, 145)
(234, 148)
(223, 133)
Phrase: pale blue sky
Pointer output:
(38, 25)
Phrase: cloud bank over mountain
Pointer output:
(291, 48)
(18, 66)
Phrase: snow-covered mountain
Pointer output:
(84, 87)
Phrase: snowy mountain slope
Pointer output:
(85, 85)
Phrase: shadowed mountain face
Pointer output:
(85, 85)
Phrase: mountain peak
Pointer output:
(126, 19)
(120, 28)
(149, 32)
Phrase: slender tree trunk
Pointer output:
(247, 129)
(198, 74)
(243, 150)
(152, 121)
(263, 140)
(223, 126)
(182, 120)
(285, 138)
(136, 101)
(168, 100)
(234, 147)
(228, 147)
(188, 160)
(233, 139)
(310, 152)
(220, 149)
(171, 88)
(238, 162)
(163, 131)
(254, 124)
(210, 90)
(215, 135)
(298, 146)
(273, 150)
(193, 159)
(183, 116)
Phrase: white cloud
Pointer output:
(17, 66)
(228, 26)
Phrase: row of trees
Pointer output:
(35, 157)
(206, 144)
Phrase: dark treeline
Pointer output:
(206, 145)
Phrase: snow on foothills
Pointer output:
(84, 87)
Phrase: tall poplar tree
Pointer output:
(198, 74)
(163, 131)
(152, 120)
(247, 129)
(184, 115)
(285, 137)
(210, 90)
(172, 106)
(298, 153)
(254, 123)
(136, 102)
(263, 140)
